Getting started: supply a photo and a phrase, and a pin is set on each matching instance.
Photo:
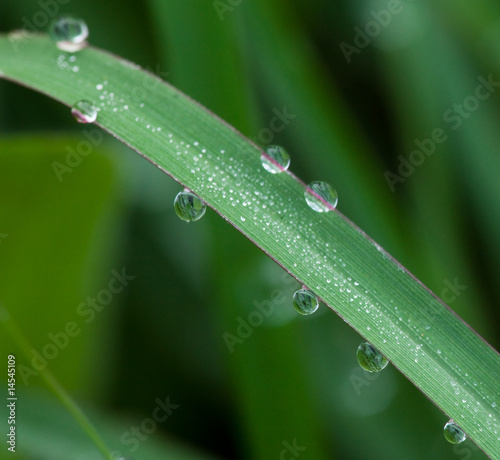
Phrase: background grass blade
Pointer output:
(51, 433)
(434, 187)
(444, 358)
(294, 76)
(214, 75)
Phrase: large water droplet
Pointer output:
(275, 160)
(69, 33)
(189, 206)
(305, 302)
(370, 359)
(453, 433)
(321, 197)
(84, 112)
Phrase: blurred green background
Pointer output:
(364, 83)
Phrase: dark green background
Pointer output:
(294, 377)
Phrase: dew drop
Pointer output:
(453, 433)
(189, 207)
(321, 197)
(370, 359)
(275, 159)
(305, 302)
(84, 112)
(69, 33)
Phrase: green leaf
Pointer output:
(425, 340)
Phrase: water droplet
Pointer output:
(189, 207)
(321, 197)
(275, 160)
(453, 433)
(84, 112)
(370, 359)
(69, 33)
(305, 302)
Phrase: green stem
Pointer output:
(20, 339)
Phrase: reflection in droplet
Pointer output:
(370, 359)
(84, 112)
(69, 33)
(305, 302)
(453, 433)
(321, 197)
(189, 207)
(275, 160)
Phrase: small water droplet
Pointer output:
(321, 197)
(189, 207)
(305, 302)
(69, 33)
(453, 433)
(275, 160)
(84, 112)
(370, 359)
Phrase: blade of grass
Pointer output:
(475, 140)
(294, 76)
(213, 74)
(49, 433)
(425, 340)
(434, 184)
(203, 58)
(22, 342)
